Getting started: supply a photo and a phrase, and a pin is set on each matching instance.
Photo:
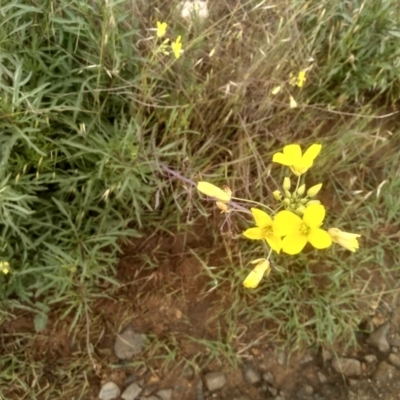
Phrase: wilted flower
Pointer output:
(347, 240)
(293, 158)
(211, 190)
(254, 278)
(299, 231)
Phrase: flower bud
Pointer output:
(288, 195)
(300, 210)
(313, 191)
(286, 183)
(286, 202)
(311, 202)
(277, 195)
(304, 201)
(300, 191)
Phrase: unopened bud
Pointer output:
(311, 202)
(286, 202)
(286, 183)
(288, 195)
(303, 201)
(300, 210)
(277, 195)
(313, 191)
(300, 191)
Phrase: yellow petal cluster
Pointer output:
(161, 29)
(211, 190)
(292, 157)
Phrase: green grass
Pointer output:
(89, 114)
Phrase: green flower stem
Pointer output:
(255, 202)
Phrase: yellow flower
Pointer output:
(293, 158)
(263, 230)
(299, 231)
(293, 102)
(254, 278)
(345, 239)
(299, 80)
(4, 267)
(211, 190)
(161, 29)
(177, 46)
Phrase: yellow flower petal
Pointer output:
(276, 90)
(314, 215)
(319, 238)
(311, 153)
(293, 102)
(286, 223)
(254, 234)
(213, 191)
(274, 242)
(294, 243)
(255, 276)
(345, 239)
(261, 218)
(177, 46)
(161, 29)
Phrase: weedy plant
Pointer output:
(287, 230)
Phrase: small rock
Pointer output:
(199, 390)
(268, 377)
(109, 391)
(281, 358)
(128, 343)
(305, 392)
(215, 380)
(353, 382)
(165, 394)
(131, 392)
(347, 366)
(394, 359)
(385, 373)
(307, 359)
(378, 338)
(273, 391)
(250, 374)
(395, 340)
(322, 378)
(370, 358)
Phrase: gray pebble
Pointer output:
(268, 377)
(250, 374)
(165, 394)
(370, 358)
(128, 343)
(379, 339)
(131, 392)
(394, 359)
(109, 391)
(215, 380)
(385, 373)
(347, 366)
(322, 378)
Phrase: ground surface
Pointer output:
(185, 339)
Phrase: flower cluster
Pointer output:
(294, 80)
(298, 219)
(176, 45)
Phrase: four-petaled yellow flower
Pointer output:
(347, 240)
(263, 230)
(254, 278)
(161, 29)
(177, 46)
(4, 267)
(292, 157)
(211, 190)
(299, 231)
